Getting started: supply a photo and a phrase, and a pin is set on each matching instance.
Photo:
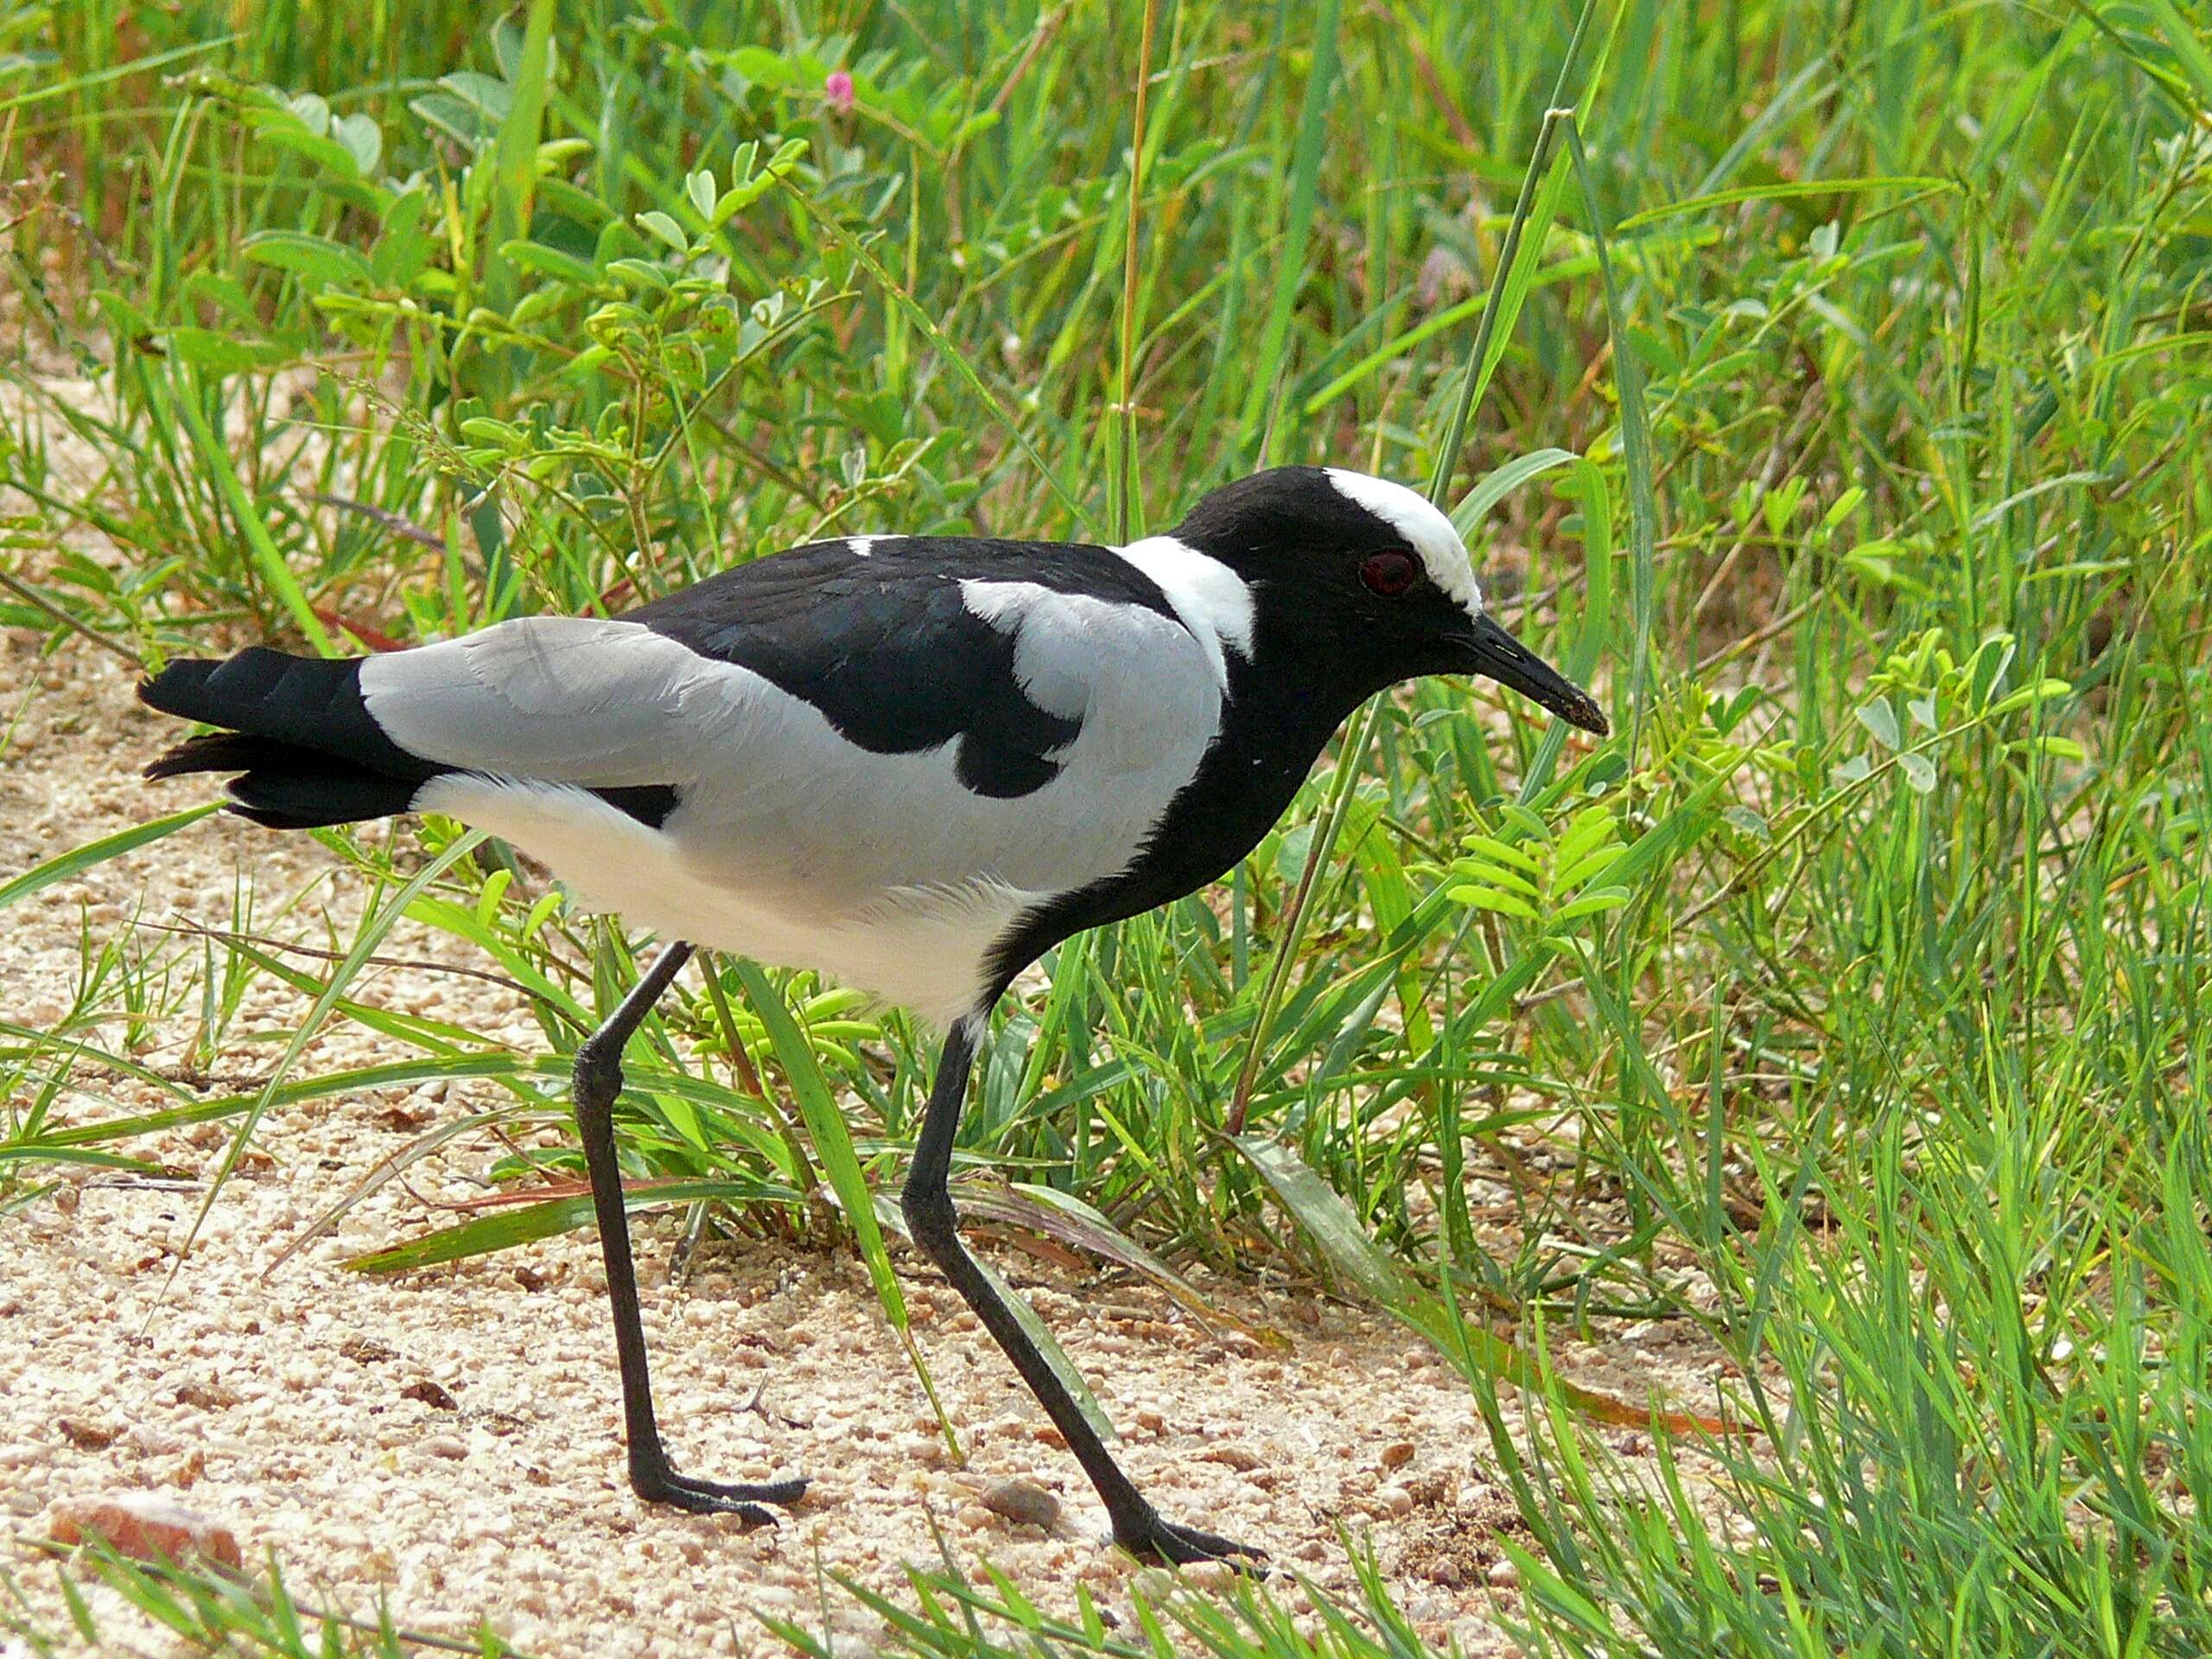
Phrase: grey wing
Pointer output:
(766, 786)
(564, 699)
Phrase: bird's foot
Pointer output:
(659, 1483)
(1152, 1539)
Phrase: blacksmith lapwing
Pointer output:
(915, 763)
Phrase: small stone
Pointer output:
(1022, 1503)
(1235, 1456)
(973, 1516)
(1397, 1500)
(1504, 1573)
(445, 1446)
(432, 1394)
(145, 1527)
(1149, 1419)
(1397, 1454)
(1445, 1571)
(87, 1436)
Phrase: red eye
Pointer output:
(1388, 574)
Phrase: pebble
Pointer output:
(143, 1525)
(1397, 1454)
(1398, 1501)
(1023, 1503)
(87, 1435)
(1504, 1573)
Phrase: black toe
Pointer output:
(697, 1497)
(1155, 1540)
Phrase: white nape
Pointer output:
(1214, 602)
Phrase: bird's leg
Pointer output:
(598, 1081)
(927, 1202)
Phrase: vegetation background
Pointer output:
(1839, 405)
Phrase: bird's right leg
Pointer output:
(598, 1081)
(927, 1202)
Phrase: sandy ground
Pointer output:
(295, 1409)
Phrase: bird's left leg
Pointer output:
(598, 1081)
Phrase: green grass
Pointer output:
(1883, 1012)
(214, 1611)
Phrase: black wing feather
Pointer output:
(886, 647)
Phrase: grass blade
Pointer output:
(65, 866)
(1336, 1231)
(372, 931)
(1304, 179)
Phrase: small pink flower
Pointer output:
(838, 89)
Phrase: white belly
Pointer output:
(926, 949)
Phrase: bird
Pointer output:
(914, 764)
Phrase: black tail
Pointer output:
(307, 748)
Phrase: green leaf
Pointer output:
(318, 259)
(541, 261)
(666, 229)
(1064, 1368)
(1495, 899)
(1595, 863)
(1492, 875)
(700, 187)
(1878, 717)
(1503, 851)
(43, 1152)
(1330, 1223)
(1590, 904)
(364, 141)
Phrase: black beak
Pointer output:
(1491, 651)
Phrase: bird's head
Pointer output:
(1373, 574)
